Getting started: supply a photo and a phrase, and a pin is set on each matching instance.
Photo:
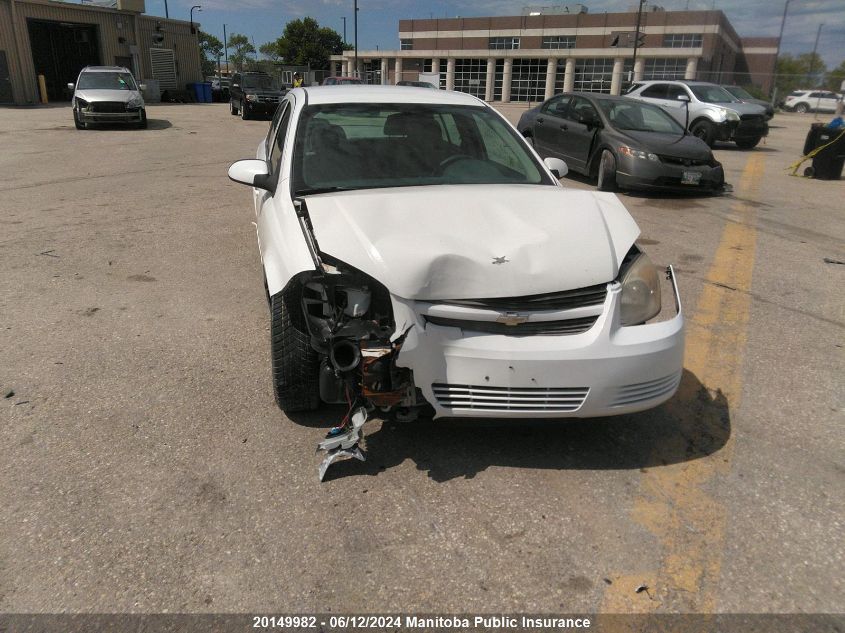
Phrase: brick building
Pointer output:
(547, 50)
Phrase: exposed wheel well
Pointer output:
(699, 120)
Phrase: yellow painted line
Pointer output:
(675, 502)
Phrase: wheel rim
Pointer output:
(604, 165)
(700, 132)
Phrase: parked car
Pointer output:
(416, 84)
(714, 113)
(746, 97)
(621, 142)
(107, 94)
(811, 101)
(338, 81)
(254, 94)
(416, 250)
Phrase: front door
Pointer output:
(578, 137)
(548, 126)
(5, 80)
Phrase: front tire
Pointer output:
(607, 172)
(705, 131)
(76, 122)
(295, 363)
(748, 143)
(244, 113)
(143, 124)
(802, 108)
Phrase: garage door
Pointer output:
(164, 67)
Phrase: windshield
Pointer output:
(739, 93)
(370, 145)
(712, 94)
(639, 117)
(259, 82)
(106, 81)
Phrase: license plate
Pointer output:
(691, 178)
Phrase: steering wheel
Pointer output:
(452, 159)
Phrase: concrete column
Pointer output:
(616, 77)
(551, 73)
(435, 65)
(450, 73)
(398, 71)
(344, 68)
(490, 80)
(506, 80)
(639, 67)
(569, 75)
(692, 68)
(383, 71)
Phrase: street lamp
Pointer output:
(355, 26)
(198, 7)
(777, 52)
(815, 48)
(344, 28)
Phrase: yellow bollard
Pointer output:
(42, 87)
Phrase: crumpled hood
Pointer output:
(679, 145)
(107, 95)
(475, 241)
(743, 108)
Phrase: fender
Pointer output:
(284, 251)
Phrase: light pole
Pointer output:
(355, 28)
(777, 52)
(636, 40)
(815, 48)
(166, 12)
(198, 7)
(226, 51)
(344, 28)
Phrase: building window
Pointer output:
(498, 79)
(682, 40)
(593, 75)
(528, 79)
(558, 41)
(665, 68)
(406, 45)
(427, 68)
(471, 76)
(503, 43)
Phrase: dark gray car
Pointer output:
(621, 142)
(746, 97)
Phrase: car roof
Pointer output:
(105, 69)
(385, 94)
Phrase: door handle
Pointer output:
(564, 127)
(540, 119)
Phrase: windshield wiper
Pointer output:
(315, 190)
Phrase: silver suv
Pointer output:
(714, 113)
(107, 94)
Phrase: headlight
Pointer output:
(640, 299)
(731, 115)
(637, 153)
(252, 97)
(135, 102)
(81, 103)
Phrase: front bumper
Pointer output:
(607, 370)
(732, 130)
(637, 173)
(132, 116)
(267, 108)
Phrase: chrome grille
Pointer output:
(111, 107)
(568, 326)
(643, 391)
(528, 399)
(568, 299)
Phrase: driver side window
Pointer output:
(556, 106)
(581, 109)
(279, 140)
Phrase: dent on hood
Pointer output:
(474, 241)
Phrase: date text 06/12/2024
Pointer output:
(420, 622)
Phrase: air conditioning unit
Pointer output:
(134, 6)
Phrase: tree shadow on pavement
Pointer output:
(694, 424)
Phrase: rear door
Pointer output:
(549, 124)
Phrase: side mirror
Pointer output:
(70, 86)
(252, 172)
(142, 87)
(556, 166)
(235, 85)
(683, 98)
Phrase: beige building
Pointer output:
(57, 39)
(548, 50)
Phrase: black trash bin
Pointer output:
(828, 162)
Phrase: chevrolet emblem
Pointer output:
(512, 318)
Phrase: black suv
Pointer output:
(254, 94)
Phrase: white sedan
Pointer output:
(416, 251)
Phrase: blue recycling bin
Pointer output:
(206, 92)
(196, 90)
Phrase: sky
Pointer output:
(378, 20)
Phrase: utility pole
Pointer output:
(815, 48)
(355, 28)
(777, 52)
(344, 28)
(226, 49)
(636, 40)
(166, 12)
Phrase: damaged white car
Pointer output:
(417, 252)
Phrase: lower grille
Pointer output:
(686, 162)
(752, 117)
(533, 328)
(528, 400)
(110, 107)
(643, 391)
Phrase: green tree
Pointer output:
(240, 48)
(270, 51)
(835, 78)
(793, 72)
(305, 43)
(210, 49)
